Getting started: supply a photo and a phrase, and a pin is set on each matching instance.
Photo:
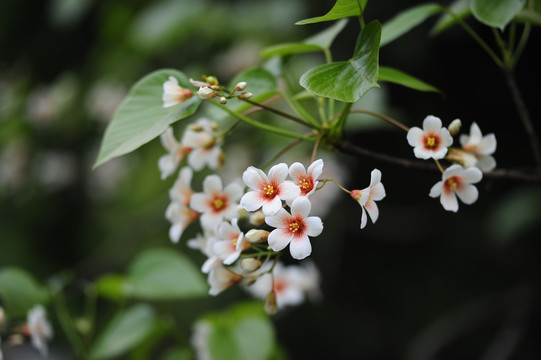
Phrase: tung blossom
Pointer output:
(202, 139)
(174, 94)
(231, 242)
(268, 191)
(220, 278)
(294, 229)
(169, 162)
(306, 180)
(482, 147)
(367, 197)
(457, 181)
(39, 329)
(430, 142)
(178, 211)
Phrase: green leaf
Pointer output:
(496, 13)
(398, 77)
(164, 274)
(318, 42)
(460, 9)
(348, 80)
(124, 332)
(19, 291)
(407, 20)
(141, 117)
(529, 16)
(341, 9)
(111, 286)
(261, 83)
(243, 332)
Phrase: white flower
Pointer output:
(206, 93)
(306, 180)
(268, 191)
(201, 138)
(39, 328)
(168, 163)
(457, 180)
(205, 243)
(294, 229)
(480, 146)
(231, 242)
(173, 94)
(432, 141)
(214, 203)
(367, 197)
(220, 278)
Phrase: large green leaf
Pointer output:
(318, 42)
(124, 332)
(19, 291)
(141, 117)
(398, 77)
(348, 80)
(243, 332)
(164, 274)
(341, 9)
(407, 20)
(496, 13)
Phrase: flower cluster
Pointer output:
(474, 157)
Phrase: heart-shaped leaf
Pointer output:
(341, 9)
(349, 80)
(141, 117)
(19, 291)
(496, 13)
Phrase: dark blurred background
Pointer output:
(421, 283)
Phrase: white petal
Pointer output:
(278, 173)
(251, 201)
(297, 171)
(415, 136)
(475, 134)
(315, 169)
(440, 154)
(197, 159)
(486, 163)
(234, 191)
(372, 210)
(447, 139)
(364, 218)
(468, 194)
(487, 146)
(277, 220)
(168, 139)
(301, 206)
(271, 207)
(453, 170)
(300, 247)
(279, 238)
(289, 190)
(377, 192)
(472, 175)
(449, 201)
(198, 202)
(175, 232)
(167, 165)
(421, 153)
(375, 177)
(212, 184)
(314, 226)
(436, 190)
(254, 178)
(431, 124)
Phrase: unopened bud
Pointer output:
(257, 236)
(216, 87)
(246, 95)
(454, 126)
(195, 127)
(197, 83)
(241, 86)
(206, 93)
(250, 264)
(271, 307)
(223, 100)
(212, 80)
(257, 218)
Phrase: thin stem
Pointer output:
(383, 117)
(338, 128)
(439, 166)
(522, 42)
(506, 55)
(337, 184)
(299, 108)
(281, 113)
(281, 152)
(316, 145)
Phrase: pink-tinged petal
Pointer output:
(223, 249)
(475, 134)
(448, 201)
(251, 201)
(487, 146)
(378, 192)
(372, 210)
(300, 247)
(278, 172)
(175, 232)
(198, 202)
(254, 177)
(472, 175)
(314, 226)
(234, 191)
(232, 258)
(436, 190)
(375, 177)
(301, 206)
(289, 191)
(421, 153)
(415, 136)
(209, 264)
(197, 139)
(278, 220)
(212, 184)
(453, 170)
(364, 218)
(197, 159)
(227, 231)
(440, 154)
(432, 124)
(168, 139)
(486, 163)
(271, 207)
(468, 194)
(279, 238)
(315, 169)
(297, 171)
(242, 243)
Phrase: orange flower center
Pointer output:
(270, 191)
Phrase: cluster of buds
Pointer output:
(210, 88)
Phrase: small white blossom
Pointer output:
(430, 142)
(220, 278)
(457, 181)
(482, 147)
(39, 328)
(367, 197)
(306, 180)
(169, 162)
(206, 93)
(204, 146)
(174, 94)
(231, 242)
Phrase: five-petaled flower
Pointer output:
(457, 181)
(169, 162)
(482, 147)
(294, 228)
(268, 191)
(202, 139)
(174, 94)
(306, 180)
(231, 242)
(367, 197)
(430, 142)
(214, 203)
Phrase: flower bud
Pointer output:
(246, 95)
(206, 93)
(212, 80)
(257, 218)
(257, 236)
(270, 303)
(250, 264)
(223, 100)
(197, 83)
(462, 157)
(241, 86)
(454, 126)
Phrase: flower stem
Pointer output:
(383, 117)
(281, 113)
